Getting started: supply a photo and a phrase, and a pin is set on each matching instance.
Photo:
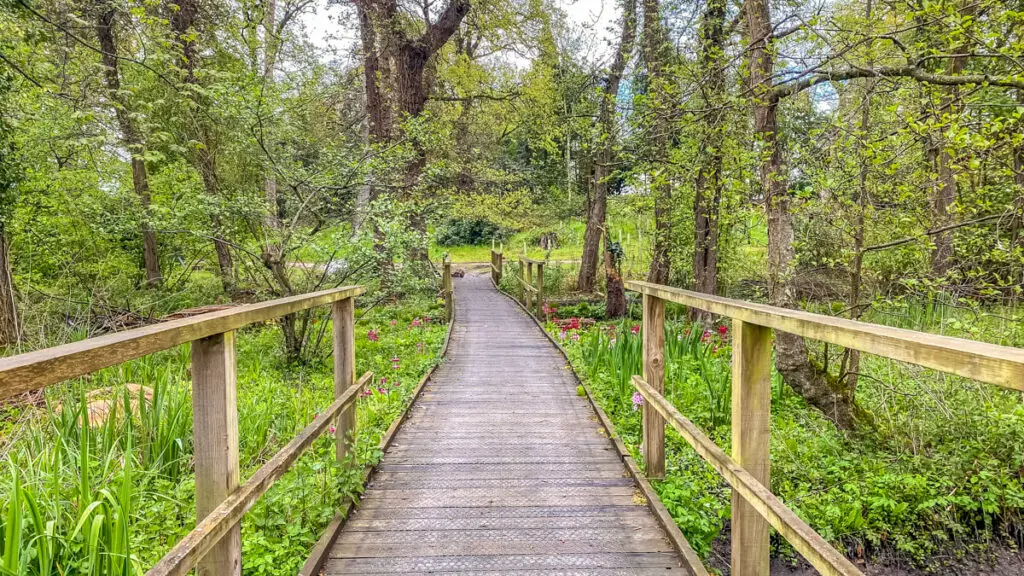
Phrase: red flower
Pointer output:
(372, 336)
(635, 329)
(722, 330)
(574, 323)
(705, 336)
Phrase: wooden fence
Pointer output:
(754, 507)
(533, 287)
(214, 547)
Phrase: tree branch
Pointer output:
(784, 89)
(439, 32)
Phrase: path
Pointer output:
(501, 468)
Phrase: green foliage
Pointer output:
(475, 232)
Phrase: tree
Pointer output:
(185, 21)
(657, 53)
(130, 134)
(605, 156)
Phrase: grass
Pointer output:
(940, 473)
(113, 498)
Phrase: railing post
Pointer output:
(540, 290)
(494, 272)
(501, 265)
(448, 304)
(527, 296)
(343, 313)
(215, 439)
(654, 375)
(751, 413)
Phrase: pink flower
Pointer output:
(372, 335)
(393, 322)
(366, 393)
(575, 336)
(574, 323)
(638, 401)
(722, 330)
(561, 336)
(635, 329)
(705, 336)
(333, 429)
(415, 323)
(381, 391)
(383, 381)
(394, 363)
(549, 310)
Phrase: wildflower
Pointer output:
(415, 323)
(372, 335)
(638, 401)
(366, 393)
(394, 363)
(562, 335)
(548, 310)
(705, 336)
(714, 349)
(574, 323)
(575, 336)
(722, 330)
(382, 391)
(383, 381)
(635, 329)
(393, 322)
(333, 429)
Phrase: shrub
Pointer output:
(458, 232)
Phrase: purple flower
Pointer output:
(638, 401)
(562, 335)
(575, 336)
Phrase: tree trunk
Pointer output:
(1018, 179)
(10, 327)
(131, 138)
(656, 52)
(708, 195)
(183, 23)
(945, 187)
(596, 217)
(791, 357)
(615, 293)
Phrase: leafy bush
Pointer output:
(476, 231)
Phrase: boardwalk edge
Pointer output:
(318, 556)
(654, 504)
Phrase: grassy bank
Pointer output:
(112, 498)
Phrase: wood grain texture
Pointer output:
(42, 368)
(751, 441)
(501, 466)
(344, 350)
(1000, 365)
(215, 437)
(826, 559)
(654, 373)
(186, 553)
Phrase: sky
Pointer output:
(328, 29)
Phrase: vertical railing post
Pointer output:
(501, 265)
(527, 296)
(540, 290)
(343, 314)
(215, 440)
(494, 271)
(447, 278)
(751, 413)
(654, 375)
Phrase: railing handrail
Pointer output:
(990, 363)
(42, 368)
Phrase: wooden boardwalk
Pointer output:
(501, 468)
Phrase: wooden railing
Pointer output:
(497, 261)
(754, 507)
(533, 288)
(214, 546)
(446, 287)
